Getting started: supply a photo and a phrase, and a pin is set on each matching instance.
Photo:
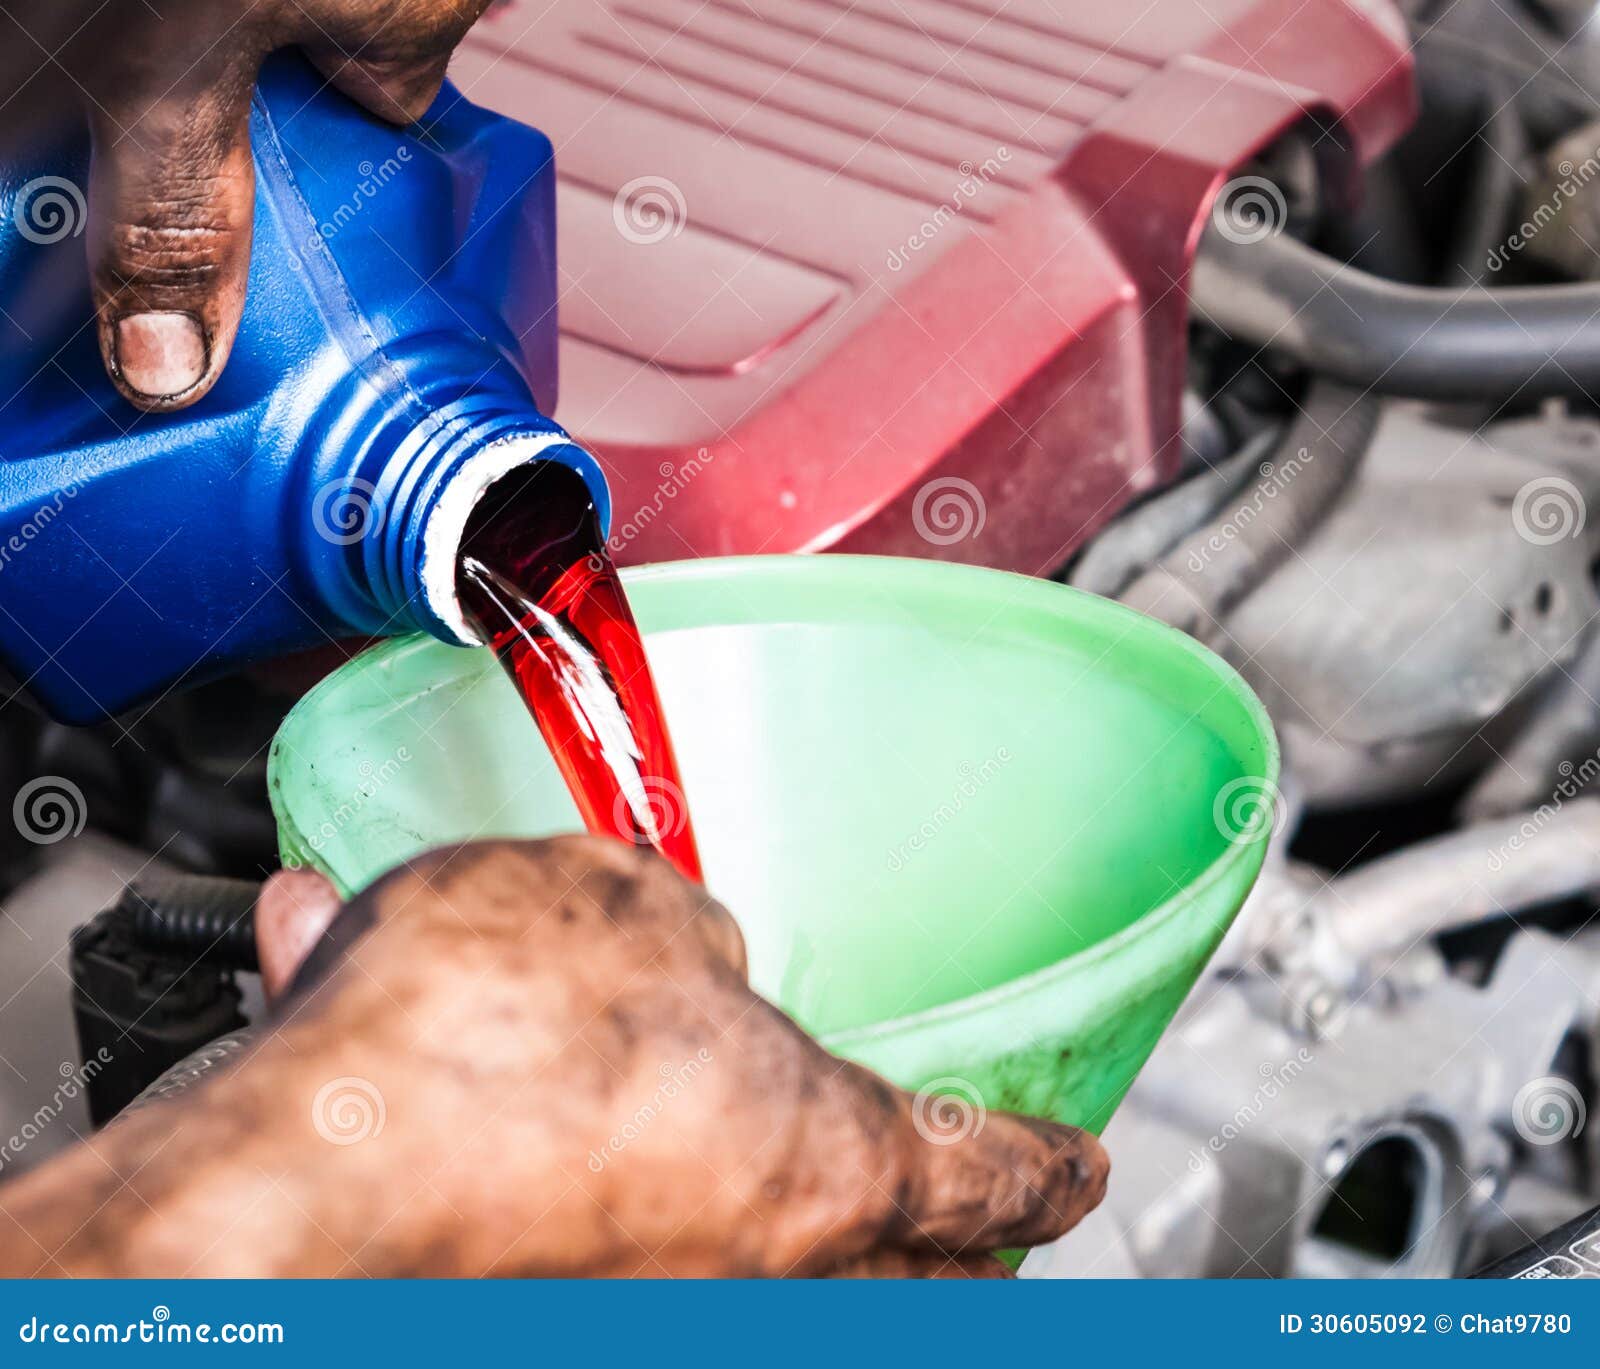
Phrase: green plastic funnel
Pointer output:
(981, 831)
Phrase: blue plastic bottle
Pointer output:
(398, 354)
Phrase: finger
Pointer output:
(172, 199)
(398, 90)
(921, 1264)
(994, 1182)
(925, 1173)
(723, 935)
(294, 910)
(394, 69)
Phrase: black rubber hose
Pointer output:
(211, 919)
(1496, 187)
(1476, 344)
(1199, 581)
(1461, 45)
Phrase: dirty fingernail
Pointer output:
(161, 354)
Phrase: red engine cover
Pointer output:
(900, 276)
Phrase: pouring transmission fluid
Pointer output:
(390, 380)
(536, 579)
(397, 356)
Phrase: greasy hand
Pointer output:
(166, 87)
(569, 1022)
(573, 1078)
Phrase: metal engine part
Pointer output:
(1416, 1125)
(1447, 589)
(1560, 209)
(1344, 1095)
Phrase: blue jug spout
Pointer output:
(403, 527)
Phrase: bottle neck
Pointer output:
(399, 518)
(437, 546)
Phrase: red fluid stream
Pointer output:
(535, 578)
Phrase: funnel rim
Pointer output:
(1239, 858)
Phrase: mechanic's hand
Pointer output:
(543, 1059)
(596, 1052)
(167, 92)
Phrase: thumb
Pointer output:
(293, 912)
(172, 198)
